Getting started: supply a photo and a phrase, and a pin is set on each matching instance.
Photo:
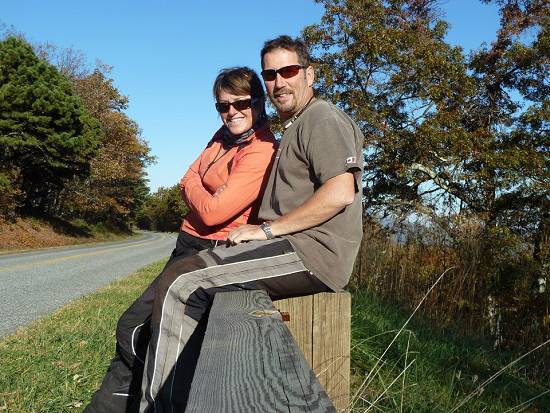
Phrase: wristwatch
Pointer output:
(266, 228)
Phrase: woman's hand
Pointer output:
(219, 190)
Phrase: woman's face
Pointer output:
(237, 121)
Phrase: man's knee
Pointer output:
(198, 303)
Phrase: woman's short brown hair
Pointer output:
(239, 81)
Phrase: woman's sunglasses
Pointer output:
(287, 72)
(223, 107)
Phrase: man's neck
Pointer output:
(289, 120)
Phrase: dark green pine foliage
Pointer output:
(46, 136)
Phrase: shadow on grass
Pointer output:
(73, 229)
(79, 227)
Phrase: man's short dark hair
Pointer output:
(288, 43)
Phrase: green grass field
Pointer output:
(445, 370)
(54, 365)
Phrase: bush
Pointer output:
(495, 288)
(162, 211)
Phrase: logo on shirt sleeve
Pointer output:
(351, 159)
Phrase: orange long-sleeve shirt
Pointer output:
(244, 173)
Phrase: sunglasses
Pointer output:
(223, 107)
(287, 72)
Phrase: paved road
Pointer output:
(35, 283)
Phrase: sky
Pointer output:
(166, 54)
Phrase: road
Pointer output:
(36, 283)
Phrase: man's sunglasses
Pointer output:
(287, 72)
(223, 107)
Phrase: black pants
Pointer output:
(120, 390)
(184, 295)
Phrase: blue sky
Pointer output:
(166, 54)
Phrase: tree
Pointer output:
(443, 135)
(114, 189)
(511, 112)
(386, 63)
(511, 109)
(46, 135)
(163, 210)
(459, 140)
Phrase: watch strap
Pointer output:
(266, 228)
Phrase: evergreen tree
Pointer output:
(45, 133)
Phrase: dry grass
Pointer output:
(483, 273)
(32, 233)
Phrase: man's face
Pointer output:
(288, 95)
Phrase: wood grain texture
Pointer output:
(331, 345)
(300, 325)
(249, 362)
(321, 326)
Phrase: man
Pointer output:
(308, 241)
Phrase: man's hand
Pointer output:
(334, 195)
(246, 232)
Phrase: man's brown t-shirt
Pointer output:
(321, 144)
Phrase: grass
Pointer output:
(443, 368)
(55, 364)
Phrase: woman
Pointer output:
(223, 186)
(222, 189)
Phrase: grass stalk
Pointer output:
(391, 384)
(482, 386)
(403, 382)
(525, 404)
(367, 379)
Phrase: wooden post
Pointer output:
(321, 326)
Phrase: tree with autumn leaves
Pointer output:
(443, 131)
(450, 140)
(68, 148)
(162, 210)
(116, 186)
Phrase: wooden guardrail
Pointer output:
(249, 362)
(321, 326)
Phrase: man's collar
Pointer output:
(297, 114)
